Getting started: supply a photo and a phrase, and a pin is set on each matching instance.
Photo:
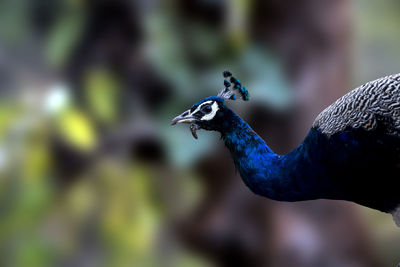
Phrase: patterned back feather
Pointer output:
(365, 106)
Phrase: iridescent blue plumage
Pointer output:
(354, 165)
(352, 152)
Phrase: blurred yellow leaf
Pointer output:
(8, 115)
(76, 128)
(101, 93)
(36, 160)
(81, 200)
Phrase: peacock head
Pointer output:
(210, 113)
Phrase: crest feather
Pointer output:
(228, 93)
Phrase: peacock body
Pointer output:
(352, 151)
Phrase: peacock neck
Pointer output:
(283, 178)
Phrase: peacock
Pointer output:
(352, 151)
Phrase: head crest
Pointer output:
(231, 83)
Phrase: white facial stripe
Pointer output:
(210, 116)
(199, 107)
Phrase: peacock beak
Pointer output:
(185, 117)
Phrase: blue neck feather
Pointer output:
(344, 166)
(280, 177)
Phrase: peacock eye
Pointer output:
(207, 108)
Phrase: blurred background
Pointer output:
(92, 173)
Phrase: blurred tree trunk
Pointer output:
(317, 57)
